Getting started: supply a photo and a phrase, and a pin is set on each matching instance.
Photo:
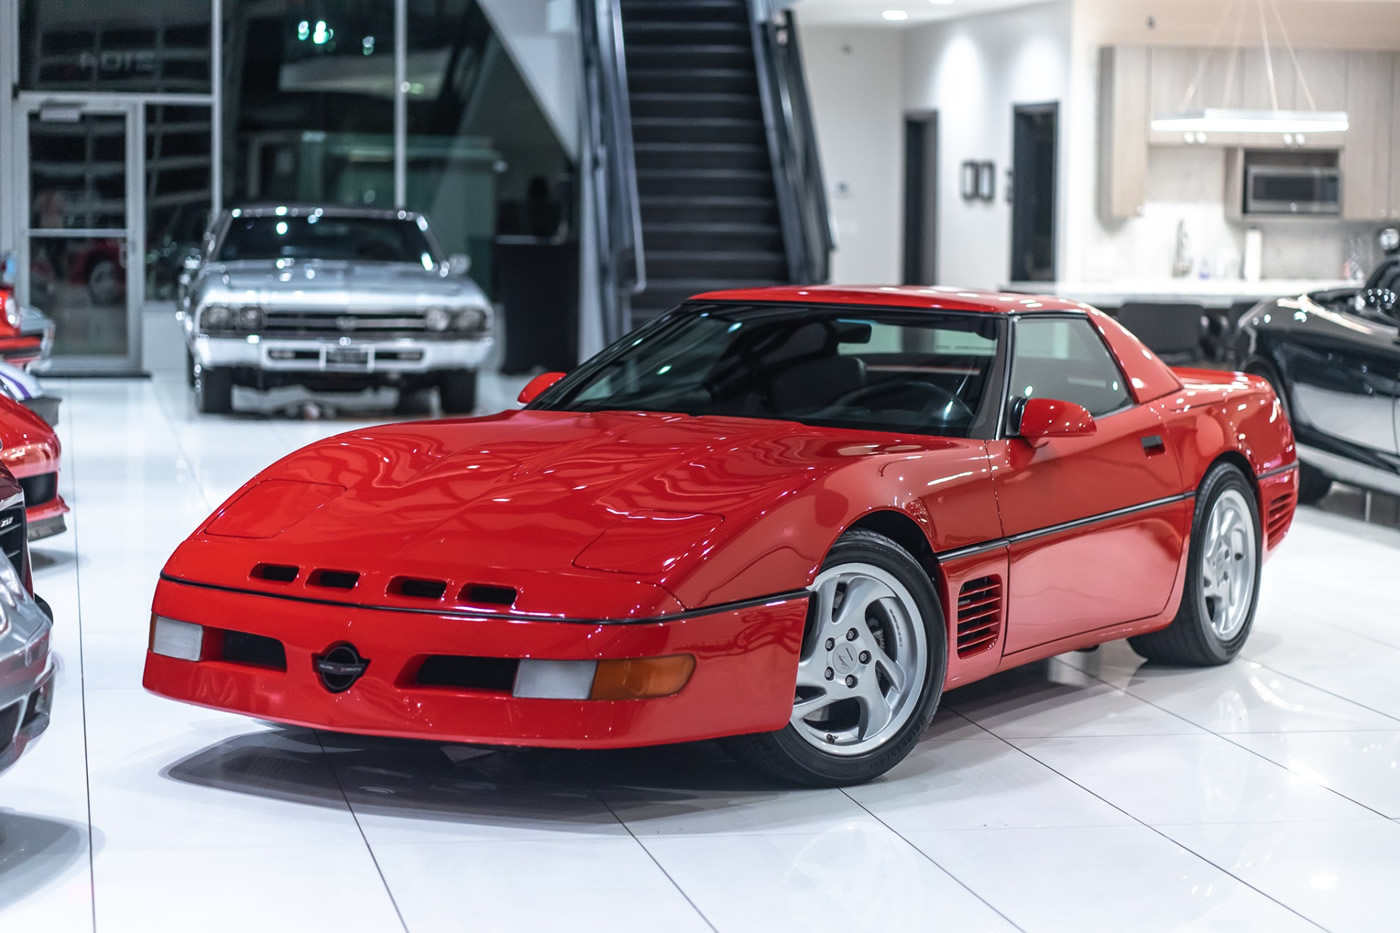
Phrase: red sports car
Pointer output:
(30, 448)
(791, 517)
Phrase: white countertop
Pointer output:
(1212, 293)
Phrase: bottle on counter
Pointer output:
(1182, 259)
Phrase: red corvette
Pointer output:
(30, 448)
(791, 517)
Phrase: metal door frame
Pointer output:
(28, 103)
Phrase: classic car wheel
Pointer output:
(1313, 484)
(870, 674)
(213, 390)
(1222, 577)
(457, 392)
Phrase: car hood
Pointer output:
(523, 500)
(387, 283)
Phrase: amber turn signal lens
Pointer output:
(636, 678)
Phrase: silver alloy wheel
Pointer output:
(863, 662)
(1228, 556)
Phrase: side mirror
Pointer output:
(536, 386)
(459, 264)
(1044, 418)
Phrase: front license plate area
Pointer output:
(348, 357)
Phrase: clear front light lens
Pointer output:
(471, 319)
(250, 319)
(173, 639)
(11, 589)
(436, 319)
(216, 317)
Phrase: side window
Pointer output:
(1064, 358)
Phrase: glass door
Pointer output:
(82, 245)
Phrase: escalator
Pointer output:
(706, 171)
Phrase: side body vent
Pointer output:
(276, 573)
(979, 615)
(1280, 516)
(334, 579)
(416, 588)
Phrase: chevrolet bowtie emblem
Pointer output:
(347, 322)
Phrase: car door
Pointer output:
(1095, 524)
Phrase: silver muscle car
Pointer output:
(335, 299)
(26, 670)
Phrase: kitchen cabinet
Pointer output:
(1123, 87)
(1369, 159)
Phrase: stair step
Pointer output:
(735, 11)
(697, 130)
(693, 156)
(665, 266)
(704, 183)
(673, 237)
(686, 80)
(642, 57)
(687, 104)
(678, 210)
(643, 33)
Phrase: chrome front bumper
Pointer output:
(26, 680)
(315, 355)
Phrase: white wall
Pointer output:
(854, 80)
(973, 70)
(542, 39)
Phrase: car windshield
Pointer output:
(326, 236)
(891, 371)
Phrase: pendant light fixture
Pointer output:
(1194, 117)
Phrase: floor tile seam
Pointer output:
(1303, 617)
(659, 867)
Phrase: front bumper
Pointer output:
(26, 681)
(745, 668)
(319, 355)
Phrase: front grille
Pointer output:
(299, 322)
(39, 489)
(14, 537)
(979, 615)
(494, 675)
(253, 650)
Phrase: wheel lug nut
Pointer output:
(851, 635)
(830, 674)
(830, 643)
(850, 680)
(865, 657)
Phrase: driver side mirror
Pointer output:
(1044, 418)
(536, 386)
(459, 264)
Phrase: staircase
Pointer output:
(709, 208)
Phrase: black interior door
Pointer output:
(1035, 140)
(920, 199)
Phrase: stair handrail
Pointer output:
(803, 207)
(608, 136)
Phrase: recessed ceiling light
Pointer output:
(895, 15)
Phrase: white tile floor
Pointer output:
(1086, 793)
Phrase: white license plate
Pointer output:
(347, 356)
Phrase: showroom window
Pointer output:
(1064, 359)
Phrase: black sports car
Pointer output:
(1334, 359)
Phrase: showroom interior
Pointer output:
(322, 310)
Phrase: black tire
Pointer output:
(457, 392)
(189, 368)
(789, 757)
(1190, 639)
(213, 390)
(1313, 484)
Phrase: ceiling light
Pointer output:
(895, 16)
(1252, 121)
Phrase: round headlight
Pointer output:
(250, 319)
(436, 319)
(216, 317)
(471, 319)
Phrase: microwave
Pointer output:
(1288, 189)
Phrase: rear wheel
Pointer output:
(457, 392)
(1222, 577)
(874, 655)
(1313, 484)
(213, 390)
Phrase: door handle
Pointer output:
(1153, 444)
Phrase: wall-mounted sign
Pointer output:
(978, 181)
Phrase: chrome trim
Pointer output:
(1017, 538)
(483, 615)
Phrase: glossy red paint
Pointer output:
(1044, 418)
(29, 448)
(536, 386)
(613, 534)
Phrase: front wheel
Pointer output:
(870, 674)
(1222, 577)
